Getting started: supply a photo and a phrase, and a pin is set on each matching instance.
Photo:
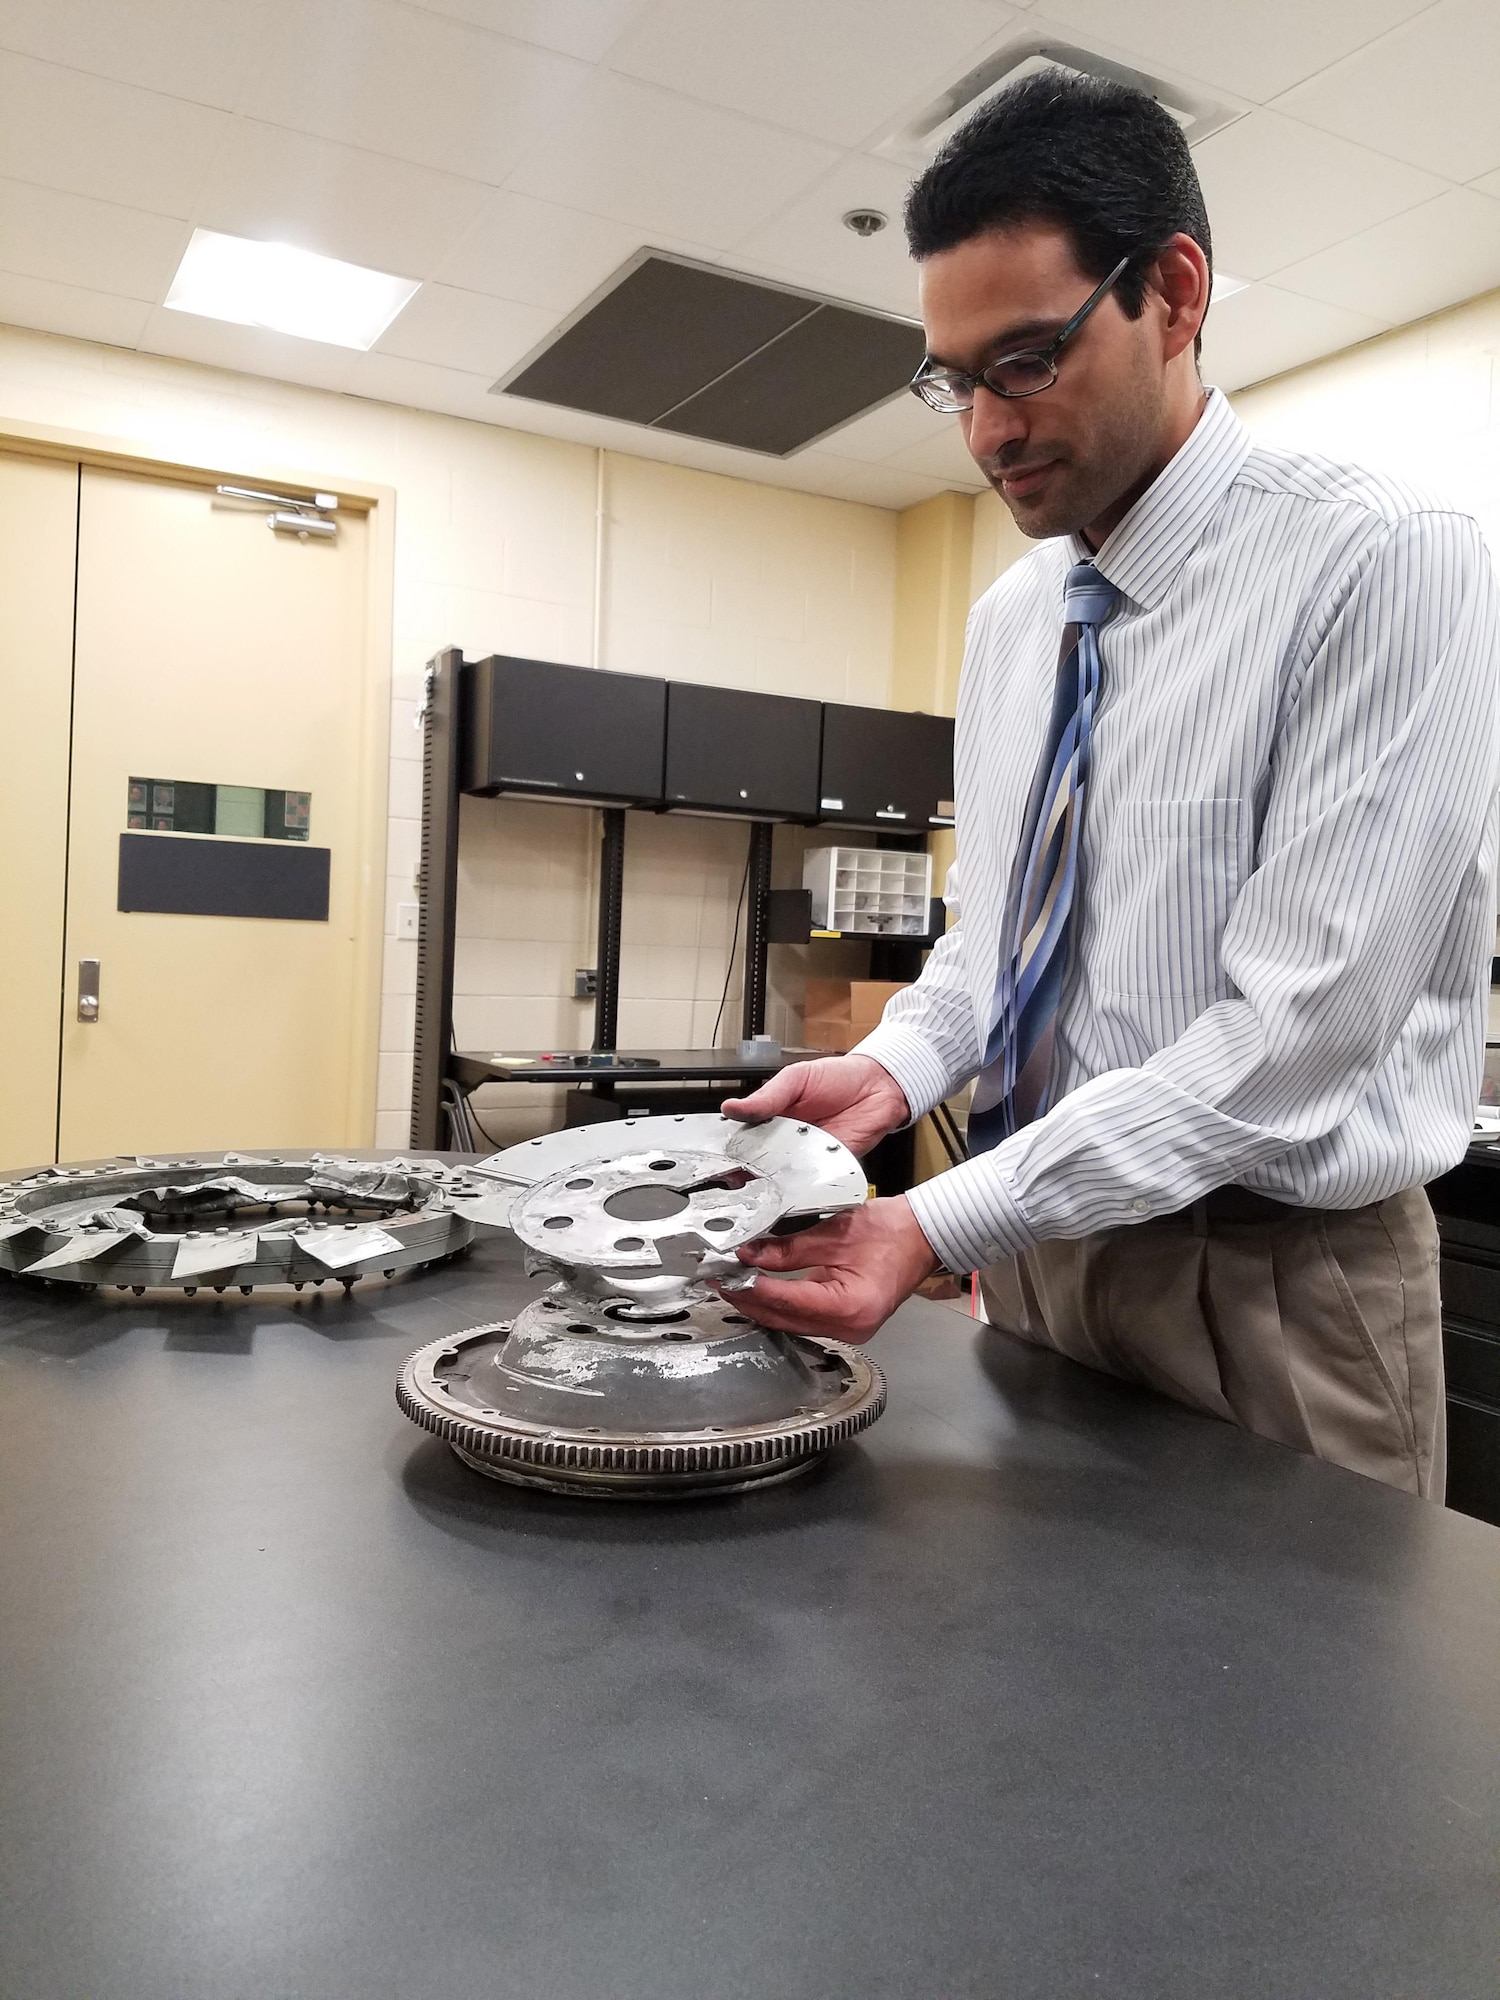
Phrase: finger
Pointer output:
(792, 1253)
(800, 1305)
(767, 1102)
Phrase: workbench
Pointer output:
(1043, 1688)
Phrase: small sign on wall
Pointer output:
(195, 877)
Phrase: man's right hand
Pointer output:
(851, 1097)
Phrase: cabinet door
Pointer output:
(221, 663)
(886, 768)
(38, 522)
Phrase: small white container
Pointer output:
(867, 891)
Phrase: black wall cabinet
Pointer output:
(536, 728)
(732, 751)
(887, 769)
(530, 726)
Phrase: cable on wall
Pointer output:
(734, 942)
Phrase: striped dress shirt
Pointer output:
(1279, 966)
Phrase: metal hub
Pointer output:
(231, 1220)
(633, 1375)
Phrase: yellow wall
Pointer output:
(934, 558)
(1421, 403)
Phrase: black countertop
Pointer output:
(623, 1066)
(1044, 1688)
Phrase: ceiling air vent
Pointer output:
(918, 137)
(713, 354)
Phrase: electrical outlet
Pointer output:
(406, 919)
(586, 983)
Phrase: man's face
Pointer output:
(1060, 460)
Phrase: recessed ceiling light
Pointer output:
(286, 290)
(1224, 285)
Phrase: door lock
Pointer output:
(88, 989)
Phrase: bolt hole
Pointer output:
(577, 1326)
(648, 1203)
(575, 1186)
(677, 1336)
(719, 1222)
(735, 1319)
(630, 1242)
(662, 1166)
(558, 1222)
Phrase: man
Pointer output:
(1226, 773)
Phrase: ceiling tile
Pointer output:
(197, 49)
(280, 186)
(88, 135)
(538, 253)
(889, 428)
(582, 28)
(465, 330)
(391, 378)
(412, 84)
(852, 479)
(252, 350)
(943, 456)
(837, 70)
(1263, 331)
(807, 239)
(1488, 184)
(659, 161)
(1255, 52)
(68, 309)
(1433, 256)
(1258, 179)
(97, 244)
(1428, 92)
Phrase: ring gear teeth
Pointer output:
(643, 1465)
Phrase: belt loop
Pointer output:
(1200, 1216)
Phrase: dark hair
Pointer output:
(1101, 160)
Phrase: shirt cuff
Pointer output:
(971, 1216)
(911, 1059)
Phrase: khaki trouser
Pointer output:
(1318, 1328)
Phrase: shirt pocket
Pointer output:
(1165, 878)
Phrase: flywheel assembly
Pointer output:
(633, 1375)
(236, 1220)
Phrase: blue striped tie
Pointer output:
(1015, 1084)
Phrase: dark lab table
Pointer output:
(619, 1067)
(657, 1082)
(1044, 1688)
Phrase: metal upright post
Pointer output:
(757, 928)
(437, 897)
(611, 909)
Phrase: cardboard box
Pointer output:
(837, 1037)
(851, 999)
(838, 1013)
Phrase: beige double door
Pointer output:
(149, 632)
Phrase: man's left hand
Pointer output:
(860, 1265)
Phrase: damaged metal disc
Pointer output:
(235, 1220)
(633, 1375)
(573, 1399)
(653, 1208)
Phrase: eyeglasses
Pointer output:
(1024, 374)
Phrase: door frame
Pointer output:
(378, 505)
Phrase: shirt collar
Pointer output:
(1142, 554)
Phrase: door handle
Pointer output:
(88, 989)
